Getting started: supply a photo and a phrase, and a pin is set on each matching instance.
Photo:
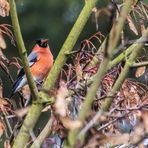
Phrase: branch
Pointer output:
(144, 63)
(126, 53)
(99, 113)
(129, 62)
(36, 108)
(22, 49)
(95, 59)
(113, 41)
(69, 43)
(45, 132)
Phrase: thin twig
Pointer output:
(44, 133)
(145, 63)
(7, 122)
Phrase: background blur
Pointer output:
(52, 19)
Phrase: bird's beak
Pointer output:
(45, 40)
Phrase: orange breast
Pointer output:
(42, 67)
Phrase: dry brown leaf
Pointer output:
(1, 89)
(2, 127)
(145, 120)
(26, 92)
(134, 2)
(140, 71)
(70, 124)
(78, 69)
(116, 140)
(15, 61)
(142, 27)
(132, 25)
(94, 9)
(2, 56)
(46, 108)
(137, 134)
(100, 140)
(3, 103)
(7, 144)
(4, 8)
(22, 112)
(2, 41)
(61, 104)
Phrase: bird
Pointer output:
(40, 62)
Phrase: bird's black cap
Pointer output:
(42, 42)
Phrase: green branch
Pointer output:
(95, 59)
(129, 62)
(113, 41)
(125, 53)
(35, 110)
(69, 43)
(45, 132)
(140, 64)
(119, 82)
(22, 49)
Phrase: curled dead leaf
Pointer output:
(3, 103)
(78, 69)
(7, 144)
(2, 56)
(61, 104)
(4, 8)
(140, 71)
(132, 25)
(47, 108)
(145, 120)
(22, 112)
(2, 41)
(15, 61)
(137, 134)
(26, 92)
(101, 139)
(142, 27)
(70, 124)
(2, 127)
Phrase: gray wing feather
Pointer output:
(32, 58)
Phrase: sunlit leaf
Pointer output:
(2, 41)
(140, 71)
(22, 112)
(2, 127)
(60, 104)
(4, 8)
(70, 124)
(132, 25)
(26, 92)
